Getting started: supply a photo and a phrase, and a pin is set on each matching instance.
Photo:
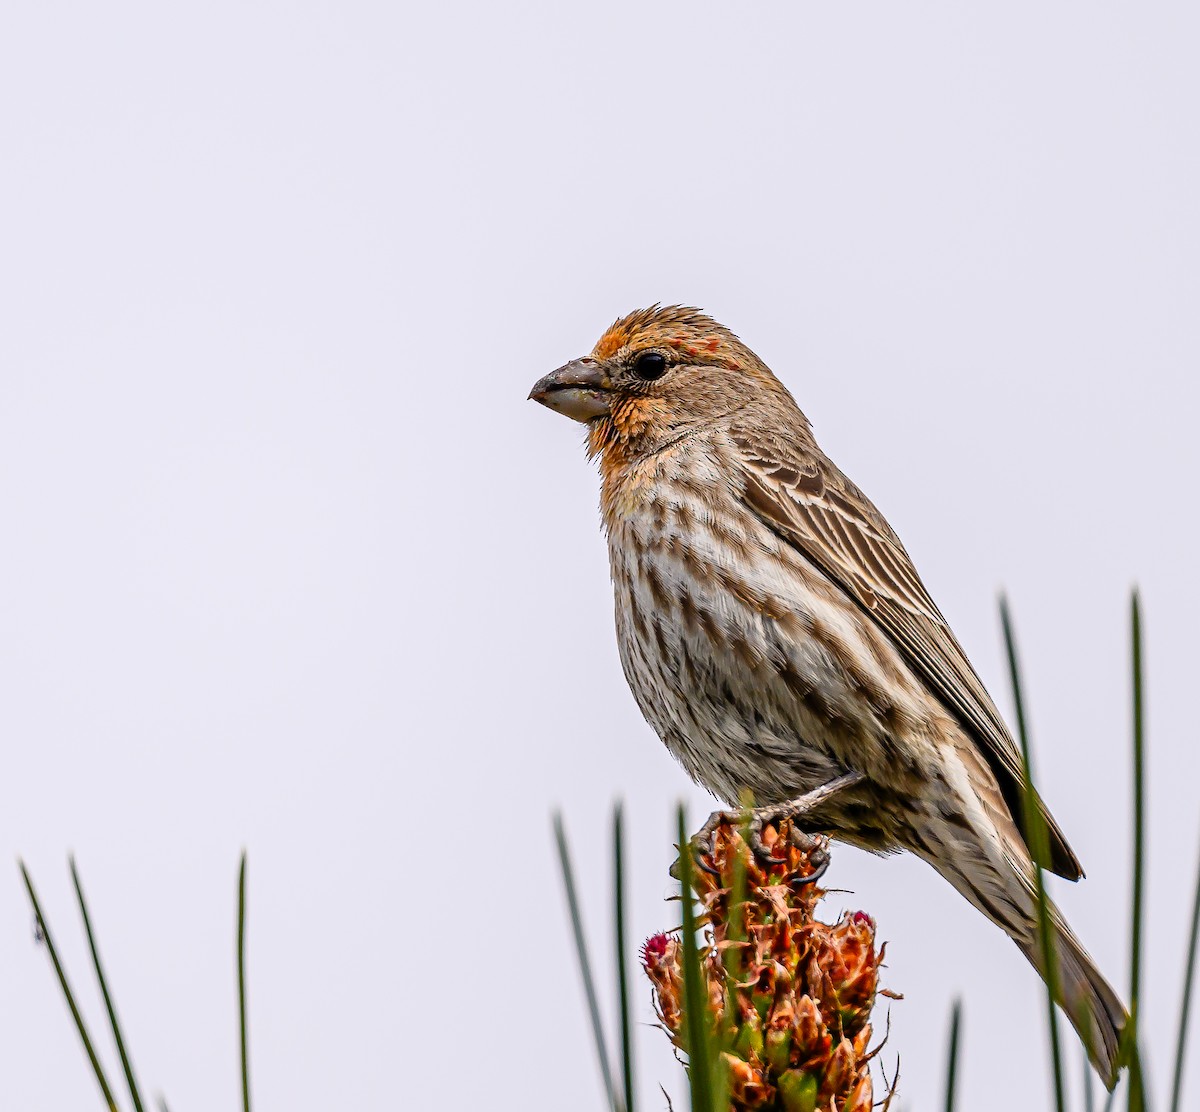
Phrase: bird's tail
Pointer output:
(996, 875)
(1008, 897)
(984, 856)
(1091, 1004)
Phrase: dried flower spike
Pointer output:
(789, 997)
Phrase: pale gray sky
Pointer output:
(290, 563)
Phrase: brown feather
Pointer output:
(842, 533)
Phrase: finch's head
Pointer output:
(653, 376)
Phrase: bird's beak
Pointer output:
(579, 390)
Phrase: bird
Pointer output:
(776, 636)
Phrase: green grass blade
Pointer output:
(1035, 828)
(1137, 1099)
(733, 958)
(80, 1026)
(585, 966)
(622, 968)
(699, 1050)
(118, 1038)
(952, 1054)
(1089, 1099)
(241, 984)
(1185, 1006)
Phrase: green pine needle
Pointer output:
(699, 1049)
(126, 1064)
(64, 984)
(585, 965)
(241, 982)
(1137, 1099)
(1089, 1100)
(1185, 1007)
(1035, 832)
(952, 1054)
(626, 1032)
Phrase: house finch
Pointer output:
(777, 637)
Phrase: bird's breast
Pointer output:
(753, 668)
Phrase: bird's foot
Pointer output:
(753, 821)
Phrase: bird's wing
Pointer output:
(807, 501)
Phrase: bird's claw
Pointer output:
(703, 842)
(751, 823)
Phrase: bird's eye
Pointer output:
(650, 365)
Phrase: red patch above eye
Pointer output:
(713, 344)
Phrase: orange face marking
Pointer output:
(632, 415)
(610, 439)
(694, 334)
(611, 342)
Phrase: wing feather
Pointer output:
(815, 508)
